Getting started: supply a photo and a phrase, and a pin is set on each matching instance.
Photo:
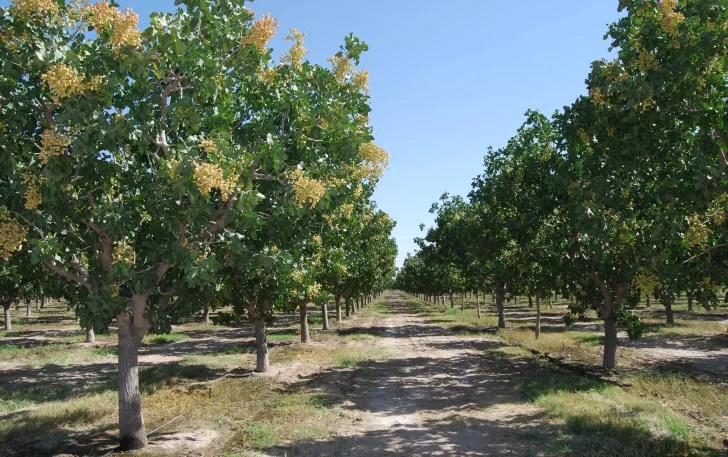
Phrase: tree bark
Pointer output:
(609, 311)
(477, 302)
(538, 313)
(462, 303)
(499, 299)
(530, 301)
(305, 338)
(27, 307)
(261, 346)
(452, 302)
(348, 307)
(648, 301)
(42, 302)
(206, 315)
(325, 314)
(8, 322)
(690, 302)
(610, 344)
(668, 311)
(90, 335)
(133, 325)
(337, 298)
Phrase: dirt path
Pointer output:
(438, 395)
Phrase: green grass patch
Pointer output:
(512, 352)
(165, 338)
(282, 336)
(356, 357)
(235, 350)
(361, 336)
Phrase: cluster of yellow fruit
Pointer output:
(208, 146)
(33, 197)
(313, 291)
(41, 9)
(317, 240)
(260, 34)
(267, 75)
(121, 25)
(12, 234)
(209, 176)
(361, 81)
(297, 275)
(341, 67)
(306, 189)
(670, 18)
(123, 254)
(294, 56)
(347, 210)
(646, 282)
(375, 160)
(52, 145)
(64, 81)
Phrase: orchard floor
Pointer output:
(401, 378)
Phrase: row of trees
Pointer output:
(621, 193)
(161, 171)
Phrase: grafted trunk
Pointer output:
(337, 298)
(261, 346)
(325, 313)
(477, 302)
(8, 322)
(206, 314)
(538, 313)
(608, 310)
(499, 302)
(305, 338)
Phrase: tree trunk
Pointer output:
(462, 303)
(42, 302)
(337, 298)
(477, 302)
(27, 307)
(452, 302)
(610, 344)
(668, 311)
(133, 325)
(538, 313)
(499, 299)
(131, 421)
(690, 302)
(530, 301)
(648, 301)
(325, 313)
(515, 300)
(206, 315)
(8, 323)
(90, 336)
(261, 346)
(305, 338)
(37, 305)
(348, 307)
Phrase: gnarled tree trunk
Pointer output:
(305, 338)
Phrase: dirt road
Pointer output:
(438, 395)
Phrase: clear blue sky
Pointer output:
(448, 78)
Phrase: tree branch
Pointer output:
(66, 274)
(707, 251)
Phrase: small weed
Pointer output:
(165, 338)
(355, 357)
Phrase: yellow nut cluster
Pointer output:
(698, 232)
(64, 81)
(294, 56)
(52, 145)
(175, 171)
(647, 61)
(114, 289)
(317, 240)
(123, 254)
(323, 123)
(361, 121)
(38, 9)
(297, 275)
(260, 34)
(208, 146)
(121, 25)
(670, 18)
(33, 197)
(306, 189)
(12, 235)
(375, 160)
(341, 67)
(347, 210)
(267, 76)
(207, 176)
(361, 81)
(313, 291)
